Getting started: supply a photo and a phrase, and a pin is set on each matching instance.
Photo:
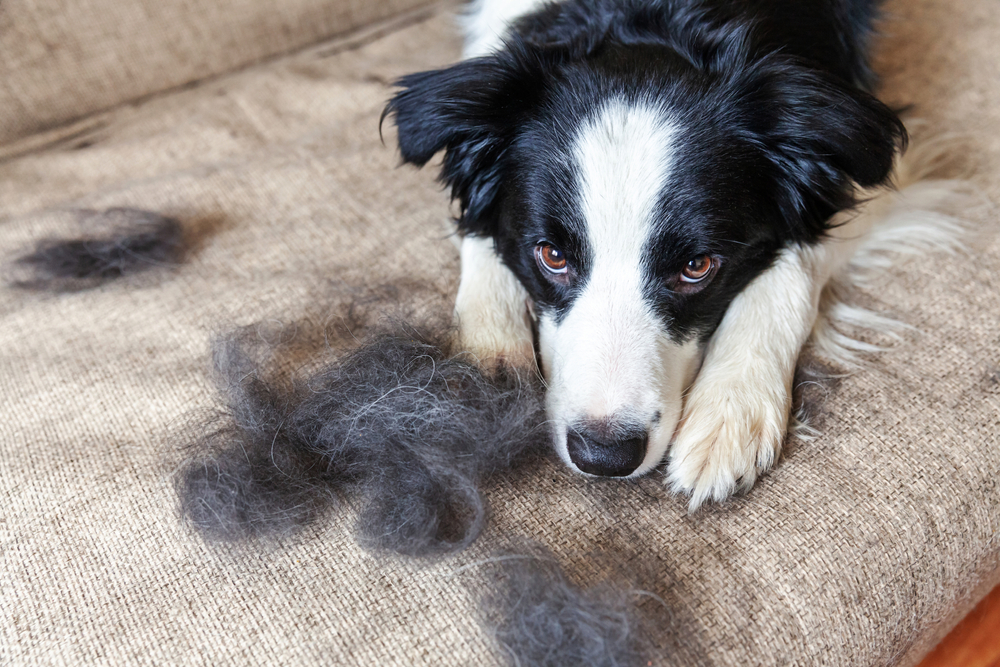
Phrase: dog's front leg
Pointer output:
(736, 412)
(491, 309)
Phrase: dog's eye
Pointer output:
(698, 269)
(550, 258)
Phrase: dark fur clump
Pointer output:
(542, 619)
(410, 431)
(131, 241)
(246, 481)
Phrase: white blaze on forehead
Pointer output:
(622, 160)
(611, 356)
(623, 157)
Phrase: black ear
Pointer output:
(471, 110)
(824, 136)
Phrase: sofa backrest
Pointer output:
(64, 59)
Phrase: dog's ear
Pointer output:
(471, 110)
(824, 136)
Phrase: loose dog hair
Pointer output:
(120, 242)
(410, 431)
(540, 617)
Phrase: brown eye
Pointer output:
(697, 269)
(550, 258)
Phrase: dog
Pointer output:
(653, 195)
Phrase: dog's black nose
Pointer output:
(605, 452)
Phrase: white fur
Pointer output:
(923, 216)
(487, 21)
(491, 308)
(611, 357)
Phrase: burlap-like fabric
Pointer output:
(62, 59)
(861, 548)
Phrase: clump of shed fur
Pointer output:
(412, 432)
(542, 619)
(122, 242)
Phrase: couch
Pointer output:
(256, 125)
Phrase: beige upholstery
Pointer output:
(61, 60)
(861, 548)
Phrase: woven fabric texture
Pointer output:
(62, 60)
(862, 547)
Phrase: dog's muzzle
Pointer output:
(606, 451)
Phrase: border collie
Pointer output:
(658, 190)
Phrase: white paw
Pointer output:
(730, 433)
(493, 342)
(491, 310)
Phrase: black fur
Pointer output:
(128, 241)
(409, 431)
(542, 619)
(778, 127)
(471, 109)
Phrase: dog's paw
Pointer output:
(491, 310)
(493, 342)
(730, 433)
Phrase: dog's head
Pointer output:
(635, 189)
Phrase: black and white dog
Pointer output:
(660, 189)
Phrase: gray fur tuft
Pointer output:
(410, 431)
(133, 241)
(542, 619)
